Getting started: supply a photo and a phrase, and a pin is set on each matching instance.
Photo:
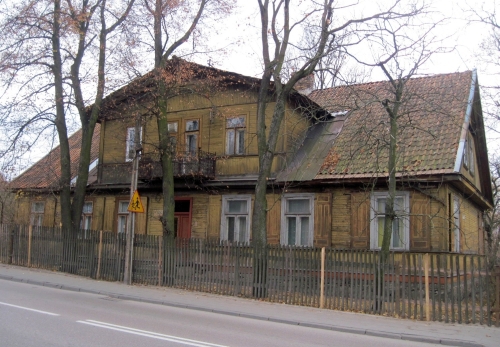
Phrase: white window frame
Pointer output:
(122, 217)
(285, 215)
(87, 216)
(36, 215)
(236, 131)
(374, 220)
(173, 132)
(194, 134)
(225, 214)
(130, 149)
(456, 224)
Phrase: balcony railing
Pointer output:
(197, 165)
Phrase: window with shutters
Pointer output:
(297, 219)
(235, 135)
(400, 234)
(235, 218)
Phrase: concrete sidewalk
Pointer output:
(433, 332)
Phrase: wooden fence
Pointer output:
(434, 286)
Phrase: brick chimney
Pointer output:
(305, 85)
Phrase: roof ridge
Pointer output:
(385, 81)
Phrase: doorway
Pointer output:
(182, 218)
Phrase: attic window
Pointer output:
(468, 157)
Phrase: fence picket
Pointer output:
(458, 288)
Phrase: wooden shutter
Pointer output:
(360, 220)
(420, 223)
(49, 212)
(273, 222)
(109, 213)
(323, 220)
(214, 215)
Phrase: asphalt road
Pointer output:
(39, 316)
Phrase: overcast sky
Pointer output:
(463, 35)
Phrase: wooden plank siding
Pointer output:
(214, 215)
(212, 115)
(341, 217)
(199, 222)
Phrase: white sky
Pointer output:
(245, 56)
(239, 34)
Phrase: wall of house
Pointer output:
(51, 213)
(429, 220)
(470, 223)
(341, 217)
(212, 114)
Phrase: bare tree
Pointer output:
(278, 20)
(170, 25)
(48, 48)
(400, 54)
(492, 218)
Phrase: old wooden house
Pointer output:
(329, 181)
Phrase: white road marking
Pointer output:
(29, 309)
(150, 334)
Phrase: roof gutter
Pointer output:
(468, 115)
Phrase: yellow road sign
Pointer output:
(135, 204)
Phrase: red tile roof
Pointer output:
(45, 173)
(432, 115)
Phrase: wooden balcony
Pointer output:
(200, 165)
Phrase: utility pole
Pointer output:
(129, 240)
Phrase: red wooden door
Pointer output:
(182, 226)
(182, 215)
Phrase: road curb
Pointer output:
(408, 337)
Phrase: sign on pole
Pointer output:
(135, 204)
